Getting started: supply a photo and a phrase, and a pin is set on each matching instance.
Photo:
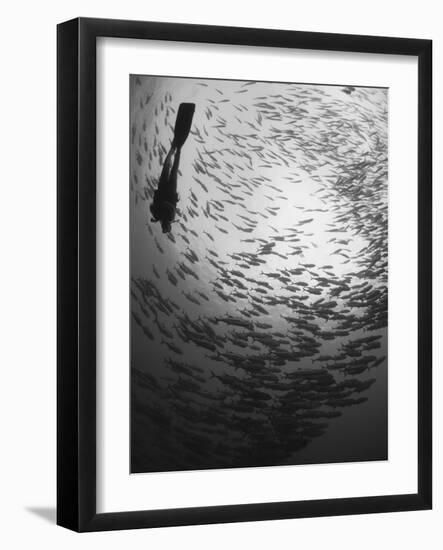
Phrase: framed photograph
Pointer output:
(244, 274)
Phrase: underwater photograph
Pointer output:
(259, 273)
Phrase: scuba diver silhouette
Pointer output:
(163, 207)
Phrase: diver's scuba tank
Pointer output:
(183, 123)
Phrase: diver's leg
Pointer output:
(172, 184)
(167, 165)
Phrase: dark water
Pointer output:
(259, 325)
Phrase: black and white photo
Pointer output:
(259, 273)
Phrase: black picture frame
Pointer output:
(76, 267)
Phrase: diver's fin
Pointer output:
(183, 123)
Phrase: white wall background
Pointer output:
(27, 274)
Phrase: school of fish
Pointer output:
(262, 317)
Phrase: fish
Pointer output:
(173, 347)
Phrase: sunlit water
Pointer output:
(259, 325)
